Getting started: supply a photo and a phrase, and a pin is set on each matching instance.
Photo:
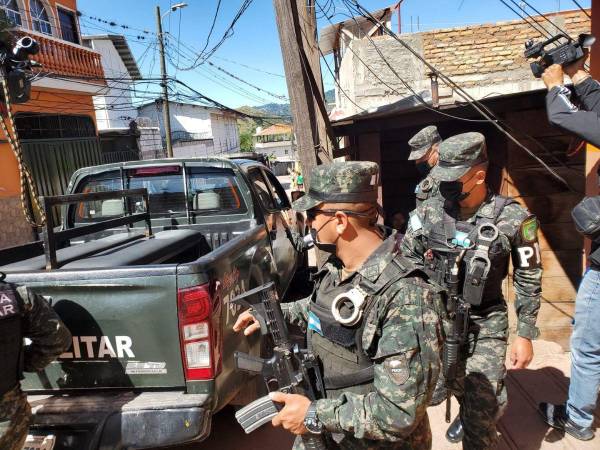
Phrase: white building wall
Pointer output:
(206, 123)
(225, 133)
(281, 150)
(114, 109)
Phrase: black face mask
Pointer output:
(423, 168)
(323, 246)
(452, 191)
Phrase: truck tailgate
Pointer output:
(124, 325)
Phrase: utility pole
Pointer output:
(163, 74)
(296, 23)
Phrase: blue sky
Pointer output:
(255, 41)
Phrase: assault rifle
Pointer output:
(461, 300)
(458, 311)
(290, 369)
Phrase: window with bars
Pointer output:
(11, 9)
(53, 126)
(39, 17)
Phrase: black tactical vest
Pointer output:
(346, 365)
(11, 338)
(440, 255)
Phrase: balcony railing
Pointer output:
(66, 58)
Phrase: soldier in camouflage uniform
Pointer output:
(424, 152)
(441, 227)
(379, 372)
(24, 314)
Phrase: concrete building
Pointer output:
(196, 130)
(277, 143)
(123, 135)
(57, 125)
(487, 60)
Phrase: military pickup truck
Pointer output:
(142, 269)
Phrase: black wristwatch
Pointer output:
(311, 421)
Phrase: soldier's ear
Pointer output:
(341, 222)
(480, 176)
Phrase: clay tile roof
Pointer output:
(278, 128)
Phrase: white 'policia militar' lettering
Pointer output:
(99, 347)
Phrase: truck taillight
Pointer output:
(196, 331)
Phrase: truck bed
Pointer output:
(120, 250)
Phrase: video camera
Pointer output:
(17, 67)
(567, 52)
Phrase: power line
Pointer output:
(393, 89)
(582, 9)
(204, 56)
(212, 27)
(478, 106)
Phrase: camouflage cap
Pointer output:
(422, 141)
(340, 182)
(458, 154)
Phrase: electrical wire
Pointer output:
(582, 9)
(395, 91)
(478, 106)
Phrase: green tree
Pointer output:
(246, 141)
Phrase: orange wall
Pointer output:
(42, 101)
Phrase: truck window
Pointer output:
(210, 191)
(261, 187)
(279, 195)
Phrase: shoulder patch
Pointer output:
(529, 229)
(397, 369)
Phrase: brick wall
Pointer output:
(15, 230)
(485, 49)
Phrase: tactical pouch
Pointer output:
(478, 266)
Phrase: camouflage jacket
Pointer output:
(402, 335)
(49, 338)
(514, 222)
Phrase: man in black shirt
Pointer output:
(577, 414)
(583, 121)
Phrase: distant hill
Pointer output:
(277, 112)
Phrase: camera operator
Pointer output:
(585, 121)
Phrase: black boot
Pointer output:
(455, 431)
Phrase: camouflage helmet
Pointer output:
(422, 141)
(340, 182)
(458, 154)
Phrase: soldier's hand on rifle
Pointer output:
(521, 353)
(291, 417)
(247, 322)
(553, 76)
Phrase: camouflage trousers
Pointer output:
(479, 387)
(15, 418)
(419, 439)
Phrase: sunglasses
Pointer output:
(311, 214)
